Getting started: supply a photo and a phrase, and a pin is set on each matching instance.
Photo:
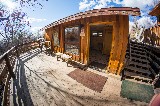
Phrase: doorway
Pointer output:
(100, 45)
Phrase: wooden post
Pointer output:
(17, 51)
(6, 91)
(40, 46)
(9, 66)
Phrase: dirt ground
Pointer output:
(41, 80)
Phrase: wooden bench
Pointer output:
(79, 64)
(58, 55)
(66, 58)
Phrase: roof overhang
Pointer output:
(155, 11)
(97, 12)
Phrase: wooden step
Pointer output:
(138, 70)
(135, 59)
(135, 75)
(139, 56)
(137, 44)
(136, 48)
(152, 71)
(153, 56)
(139, 64)
(137, 51)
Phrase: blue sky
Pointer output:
(51, 11)
(56, 9)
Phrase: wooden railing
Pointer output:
(154, 59)
(7, 62)
(152, 36)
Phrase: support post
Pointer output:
(10, 69)
(17, 51)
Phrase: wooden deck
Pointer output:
(41, 80)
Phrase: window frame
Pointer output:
(72, 43)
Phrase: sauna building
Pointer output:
(99, 35)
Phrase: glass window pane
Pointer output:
(72, 39)
(56, 39)
(72, 34)
(73, 49)
(55, 36)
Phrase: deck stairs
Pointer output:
(137, 63)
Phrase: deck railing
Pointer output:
(7, 62)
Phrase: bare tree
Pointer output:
(13, 23)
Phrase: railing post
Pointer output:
(10, 69)
(129, 47)
(17, 51)
(40, 45)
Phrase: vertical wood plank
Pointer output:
(120, 41)
(124, 43)
(88, 43)
(85, 45)
(62, 36)
(112, 66)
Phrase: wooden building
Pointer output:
(105, 30)
(152, 35)
(156, 12)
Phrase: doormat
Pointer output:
(89, 79)
(96, 65)
(136, 91)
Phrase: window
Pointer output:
(72, 37)
(97, 33)
(55, 37)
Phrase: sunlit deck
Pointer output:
(41, 80)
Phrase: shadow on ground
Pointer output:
(21, 95)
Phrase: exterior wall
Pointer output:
(152, 36)
(119, 38)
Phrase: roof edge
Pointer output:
(97, 12)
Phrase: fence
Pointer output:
(152, 36)
(7, 62)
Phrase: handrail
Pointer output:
(3, 55)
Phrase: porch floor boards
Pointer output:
(41, 80)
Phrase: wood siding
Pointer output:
(119, 38)
(152, 36)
